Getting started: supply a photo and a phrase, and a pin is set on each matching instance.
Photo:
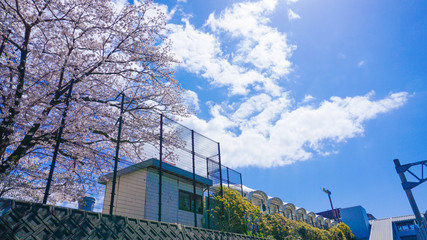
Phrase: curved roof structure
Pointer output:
(274, 205)
(311, 218)
(327, 223)
(258, 198)
(258, 193)
(300, 214)
(289, 210)
(319, 221)
(289, 206)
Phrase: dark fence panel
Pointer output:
(25, 220)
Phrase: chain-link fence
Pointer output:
(170, 175)
(179, 177)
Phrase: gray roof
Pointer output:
(396, 219)
(154, 163)
(382, 229)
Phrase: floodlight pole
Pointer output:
(330, 200)
(332, 206)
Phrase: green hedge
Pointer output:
(233, 213)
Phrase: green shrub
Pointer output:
(233, 213)
(346, 231)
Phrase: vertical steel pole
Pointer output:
(228, 179)
(208, 198)
(220, 182)
(58, 142)
(408, 192)
(116, 157)
(160, 168)
(220, 169)
(194, 178)
(241, 184)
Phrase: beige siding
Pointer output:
(130, 195)
(138, 197)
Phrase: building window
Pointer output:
(186, 202)
(405, 226)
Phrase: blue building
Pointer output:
(365, 227)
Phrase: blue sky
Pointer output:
(308, 94)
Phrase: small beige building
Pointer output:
(137, 193)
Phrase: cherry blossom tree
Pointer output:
(105, 49)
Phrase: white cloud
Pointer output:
(274, 134)
(259, 59)
(307, 98)
(265, 127)
(243, 19)
(361, 63)
(260, 45)
(200, 53)
(191, 99)
(292, 15)
(291, 1)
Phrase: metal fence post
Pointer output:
(228, 179)
(160, 168)
(220, 170)
(58, 142)
(194, 178)
(116, 158)
(220, 180)
(241, 184)
(208, 198)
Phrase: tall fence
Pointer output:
(179, 177)
(168, 175)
